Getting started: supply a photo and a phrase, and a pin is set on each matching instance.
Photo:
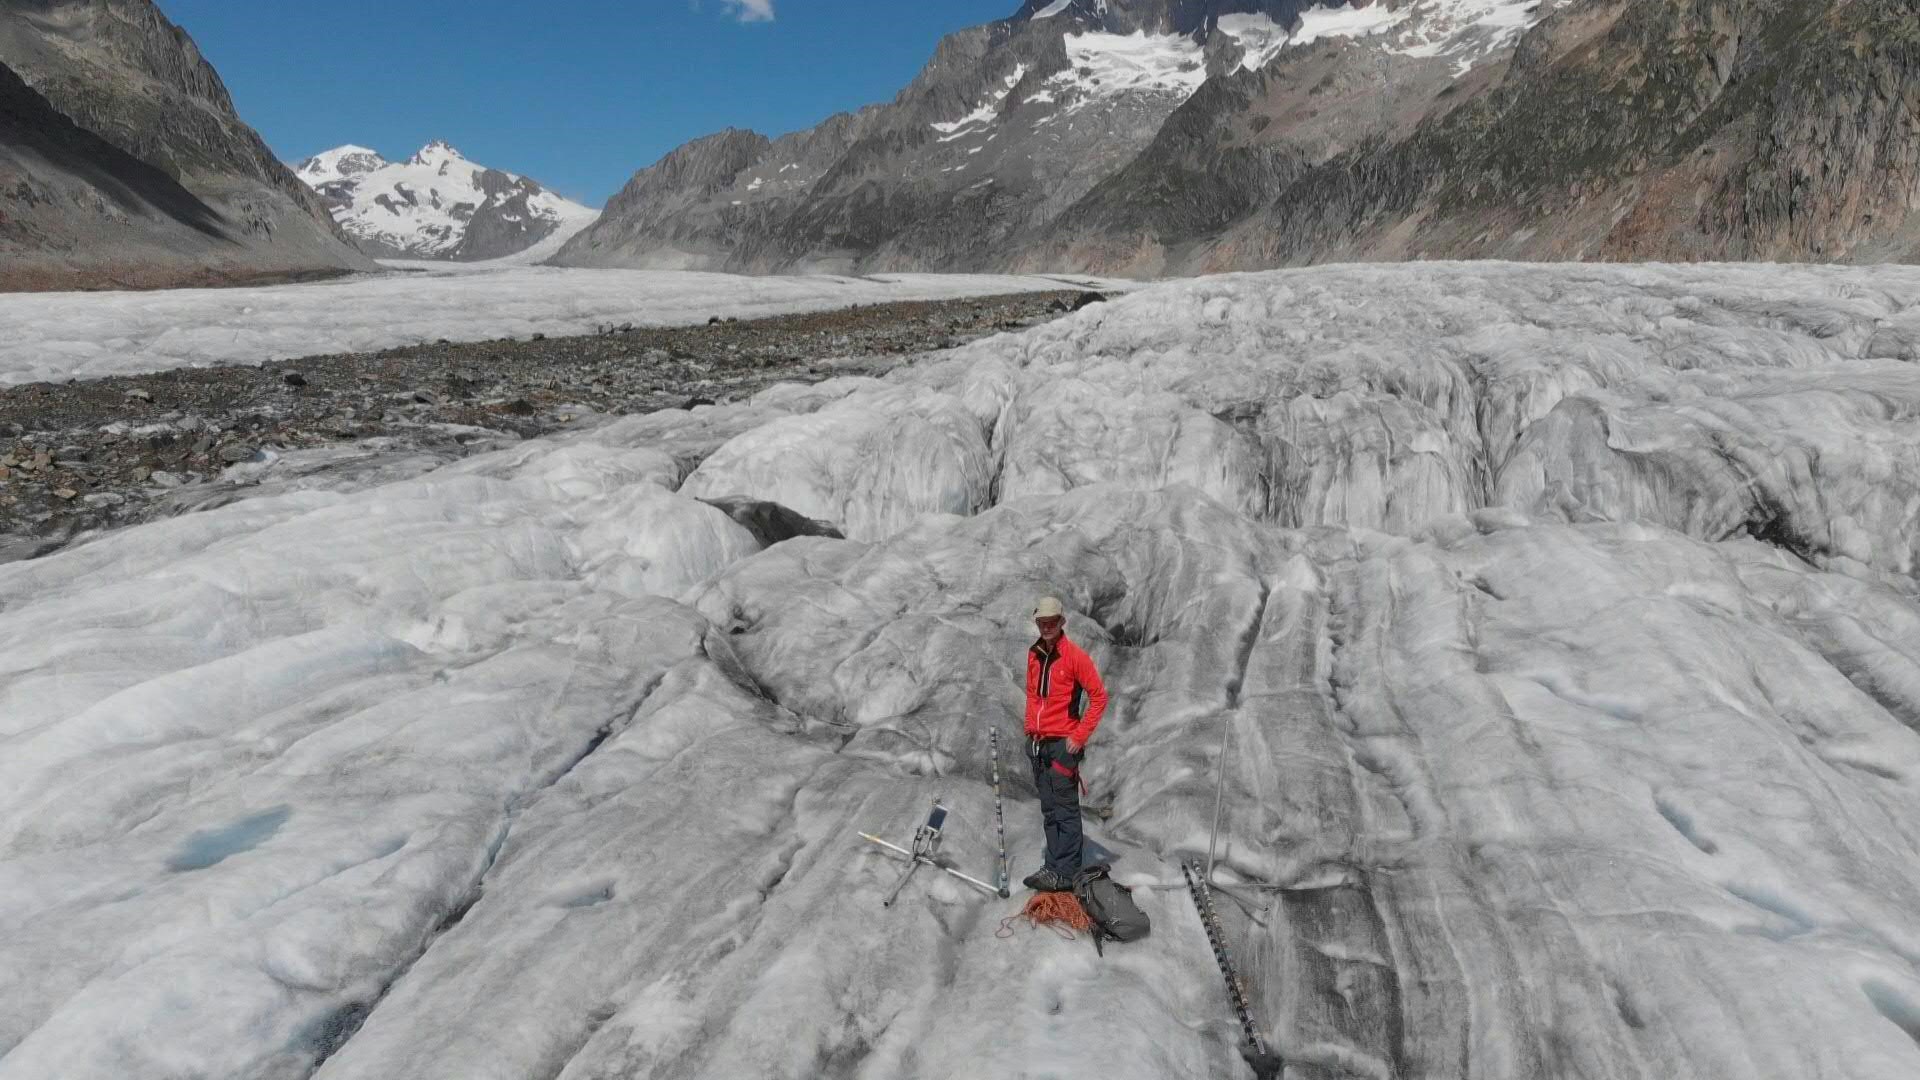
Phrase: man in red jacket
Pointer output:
(1064, 704)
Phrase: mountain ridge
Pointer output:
(1167, 137)
(121, 72)
(1007, 124)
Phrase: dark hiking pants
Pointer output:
(1056, 775)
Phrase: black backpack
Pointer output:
(1110, 905)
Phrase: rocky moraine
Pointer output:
(83, 456)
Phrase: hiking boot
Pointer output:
(1046, 880)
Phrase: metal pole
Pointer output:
(968, 878)
(918, 859)
(999, 815)
(1219, 791)
(901, 884)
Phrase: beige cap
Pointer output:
(1047, 608)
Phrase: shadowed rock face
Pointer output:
(1612, 129)
(667, 216)
(106, 100)
(57, 165)
(506, 223)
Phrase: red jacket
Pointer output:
(1054, 679)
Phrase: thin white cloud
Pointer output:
(749, 10)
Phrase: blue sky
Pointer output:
(577, 94)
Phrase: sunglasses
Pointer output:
(1048, 622)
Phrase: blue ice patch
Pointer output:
(210, 847)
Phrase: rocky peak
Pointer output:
(437, 153)
(341, 161)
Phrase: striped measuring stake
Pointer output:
(1236, 992)
(999, 816)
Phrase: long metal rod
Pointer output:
(1219, 789)
(999, 815)
(888, 844)
(974, 881)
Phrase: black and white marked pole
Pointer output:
(1265, 1065)
(999, 816)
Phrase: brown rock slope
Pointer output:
(1619, 130)
(123, 163)
(1612, 129)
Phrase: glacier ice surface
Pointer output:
(1562, 618)
(58, 336)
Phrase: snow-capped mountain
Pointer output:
(437, 204)
(1170, 136)
(1008, 130)
(1007, 126)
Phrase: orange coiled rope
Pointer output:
(1058, 911)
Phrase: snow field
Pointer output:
(1562, 618)
(1468, 31)
(1102, 66)
(1260, 36)
(1346, 22)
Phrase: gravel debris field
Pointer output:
(84, 456)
